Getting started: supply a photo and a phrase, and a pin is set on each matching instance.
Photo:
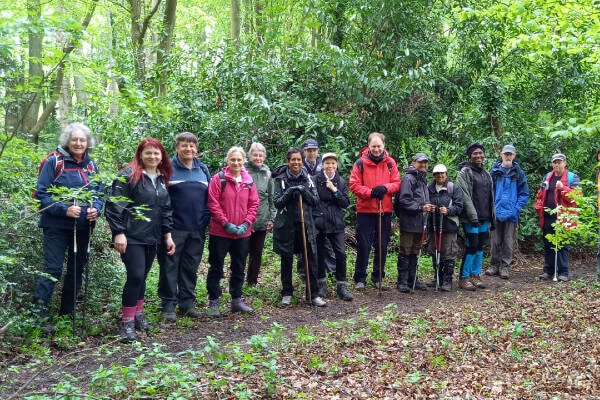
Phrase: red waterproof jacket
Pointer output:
(236, 203)
(560, 196)
(362, 182)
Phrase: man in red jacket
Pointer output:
(374, 179)
(553, 193)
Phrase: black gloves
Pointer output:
(378, 192)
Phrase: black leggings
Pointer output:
(138, 259)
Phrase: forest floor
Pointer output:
(519, 338)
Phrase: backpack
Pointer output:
(59, 167)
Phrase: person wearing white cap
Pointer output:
(448, 202)
(329, 221)
(511, 194)
(553, 193)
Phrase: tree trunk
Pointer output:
(165, 44)
(235, 21)
(36, 73)
(80, 95)
(65, 103)
(113, 88)
(139, 28)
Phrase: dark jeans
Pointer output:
(57, 242)
(562, 256)
(218, 247)
(327, 255)
(138, 259)
(256, 247)
(179, 272)
(338, 244)
(367, 238)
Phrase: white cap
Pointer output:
(439, 168)
(329, 155)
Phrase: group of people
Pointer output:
(161, 208)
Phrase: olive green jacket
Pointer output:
(264, 186)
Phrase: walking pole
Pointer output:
(424, 216)
(74, 272)
(436, 243)
(555, 261)
(379, 212)
(86, 273)
(302, 223)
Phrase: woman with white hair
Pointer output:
(233, 203)
(66, 222)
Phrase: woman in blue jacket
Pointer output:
(66, 221)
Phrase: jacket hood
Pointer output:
(364, 155)
(498, 164)
(470, 165)
(411, 170)
(175, 160)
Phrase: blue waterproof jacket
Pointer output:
(511, 192)
(73, 175)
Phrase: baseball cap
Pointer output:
(559, 156)
(329, 155)
(509, 148)
(439, 168)
(310, 144)
(420, 157)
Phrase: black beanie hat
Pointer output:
(474, 147)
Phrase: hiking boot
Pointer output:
(492, 270)
(169, 316)
(476, 280)
(127, 332)
(238, 305)
(402, 265)
(544, 276)
(318, 302)
(413, 280)
(141, 323)
(504, 272)
(447, 275)
(47, 328)
(342, 291)
(383, 287)
(563, 278)
(214, 308)
(402, 287)
(446, 286)
(420, 285)
(360, 286)
(322, 287)
(286, 300)
(432, 283)
(465, 284)
(192, 313)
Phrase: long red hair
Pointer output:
(137, 167)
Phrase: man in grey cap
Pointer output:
(411, 206)
(511, 194)
(312, 162)
(553, 193)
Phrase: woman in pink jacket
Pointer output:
(233, 203)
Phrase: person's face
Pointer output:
(421, 166)
(330, 166)
(78, 144)
(440, 177)
(376, 146)
(258, 158)
(559, 167)
(507, 158)
(295, 163)
(186, 151)
(477, 157)
(151, 157)
(235, 162)
(311, 155)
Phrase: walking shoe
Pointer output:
(492, 270)
(432, 283)
(141, 323)
(383, 287)
(420, 285)
(563, 278)
(544, 276)
(318, 302)
(402, 287)
(238, 305)
(286, 300)
(169, 316)
(322, 287)
(192, 313)
(446, 286)
(214, 308)
(465, 284)
(504, 272)
(342, 291)
(127, 332)
(47, 328)
(476, 280)
(360, 286)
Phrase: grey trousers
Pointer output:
(502, 244)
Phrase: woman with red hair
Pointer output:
(137, 225)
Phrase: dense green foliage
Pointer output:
(432, 76)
